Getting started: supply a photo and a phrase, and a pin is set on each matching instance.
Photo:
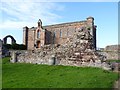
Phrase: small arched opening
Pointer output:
(38, 33)
(38, 44)
(6, 40)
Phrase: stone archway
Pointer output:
(13, 41)
(38, 44)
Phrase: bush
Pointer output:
(22, 47)
(15, 46)
(8, 46)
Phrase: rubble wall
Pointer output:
(63, 56)
(111, 55)
(112, 52)
(78, 50)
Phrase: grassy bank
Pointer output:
(44, 76)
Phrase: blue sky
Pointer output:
(16, 14)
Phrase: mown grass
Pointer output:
(117, 61)
(44, 76)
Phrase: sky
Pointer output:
(15, 14)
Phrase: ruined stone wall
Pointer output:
(112, 52)
(112, 48)
(64, 31)
(31, 39)
(111, 55)
(63, 55)
(78, 51)
(60, 33)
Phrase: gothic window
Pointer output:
(38, 34)
(67, 32)
(54, 34)
(60, 33)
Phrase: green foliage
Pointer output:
(21, 75)
(22, 47)
(15, 46)
(8, 46)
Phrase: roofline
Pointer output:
(61, 24)
(65, 23)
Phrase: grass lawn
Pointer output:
(117, 61)
(44, 76)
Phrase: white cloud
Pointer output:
(19, 13)
(16, 25)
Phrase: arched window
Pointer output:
(38, 44)
(38, 34)
(60, 33)
(54, 34)
(67, 32)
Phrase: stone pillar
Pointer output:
(25, 36)
(13, 57)
(90, 23)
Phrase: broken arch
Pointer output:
(13, 41)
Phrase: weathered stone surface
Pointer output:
(112, 48)
(77, 52)
(111, 55)
(13, 58)
(71, 44)
(115, 66)
(37, 37)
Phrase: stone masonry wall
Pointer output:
(112, 48)
(60, 33)
(63, 55)
(112, 52)
(78, 51)
(111, 55)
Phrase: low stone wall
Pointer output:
(112, 52)
(111, 55)
(60, 55)
(78, 51)
(112, 48)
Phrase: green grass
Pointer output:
(44, 76)
(118, 61)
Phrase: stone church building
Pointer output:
(36, 37)
(72, 44)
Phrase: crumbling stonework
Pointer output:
(112, 52)
(36, 37)
(72, 44)
(111, 55)
(77, 50)
(70, 55)
(112, 48)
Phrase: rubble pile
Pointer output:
(78, 51)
